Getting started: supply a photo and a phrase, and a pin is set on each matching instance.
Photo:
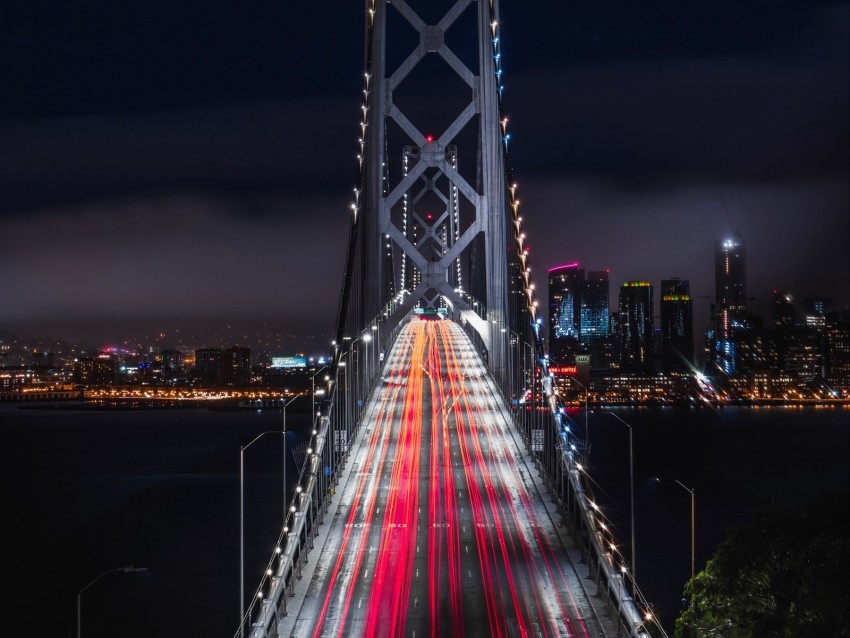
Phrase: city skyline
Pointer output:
(155, 179)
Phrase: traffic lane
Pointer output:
(327, 612)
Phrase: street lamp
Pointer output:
(376, 328)
(124, 570)
(242, 508)
(366, 337)
(283, 404)
(693, 521)
(313, 381)
(632, 481)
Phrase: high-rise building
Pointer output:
(677, 324)
(783, 310)
(236, 366)
(99, 370)
(208, 362)
(729, 309)
(564, 311)
(636, 324)
(815, 310)
(594, 307)
(594, 316)
(172, 359)
(837, 332)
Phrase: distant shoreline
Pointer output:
(130, 404)
(151, 404)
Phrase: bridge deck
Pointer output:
(439, 528)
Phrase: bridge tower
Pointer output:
(437, 167)
(435, 223)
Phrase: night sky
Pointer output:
(187, 161)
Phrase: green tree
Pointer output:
(785, 575)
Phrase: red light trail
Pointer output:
(440, 529)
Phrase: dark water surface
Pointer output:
(87, 491)
(737, 460)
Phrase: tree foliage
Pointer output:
(785, 575)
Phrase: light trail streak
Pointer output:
(387, 608)
(389, 397)
(435, 507)
(455, 574)
(440, 445)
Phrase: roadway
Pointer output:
(439, 529)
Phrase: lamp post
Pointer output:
(242, 512)
(632, 482)
(283, 404)
(376, 328)
(124, 570)
(693, 522)
(366, 337)
(313, 382)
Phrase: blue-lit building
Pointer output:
(564, 311)
(729, 310)
(594, 316)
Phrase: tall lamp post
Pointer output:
(632, 483)
(123, 570)
(377, 330)
(313, 388)
(693, 523)
(242, 512)
(283, 404)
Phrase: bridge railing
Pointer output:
(352, 375)
(547, 432)
(527, 386)
(560, 454)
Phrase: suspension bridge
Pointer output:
(443, 492)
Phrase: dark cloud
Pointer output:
(725, 118)
(797, 238)
(183, 160)
(186, 256)
(252, 148)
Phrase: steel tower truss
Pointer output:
(430, 266)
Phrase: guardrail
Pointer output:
(633, 612)
(353, 373)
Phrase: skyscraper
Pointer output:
(564, 311)
(636, 323)
(594, 315)
(593, 307)
(677, 324)
(236, 366)
(816, 309)
(783, 310)
(208, 362)
(729, 309)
